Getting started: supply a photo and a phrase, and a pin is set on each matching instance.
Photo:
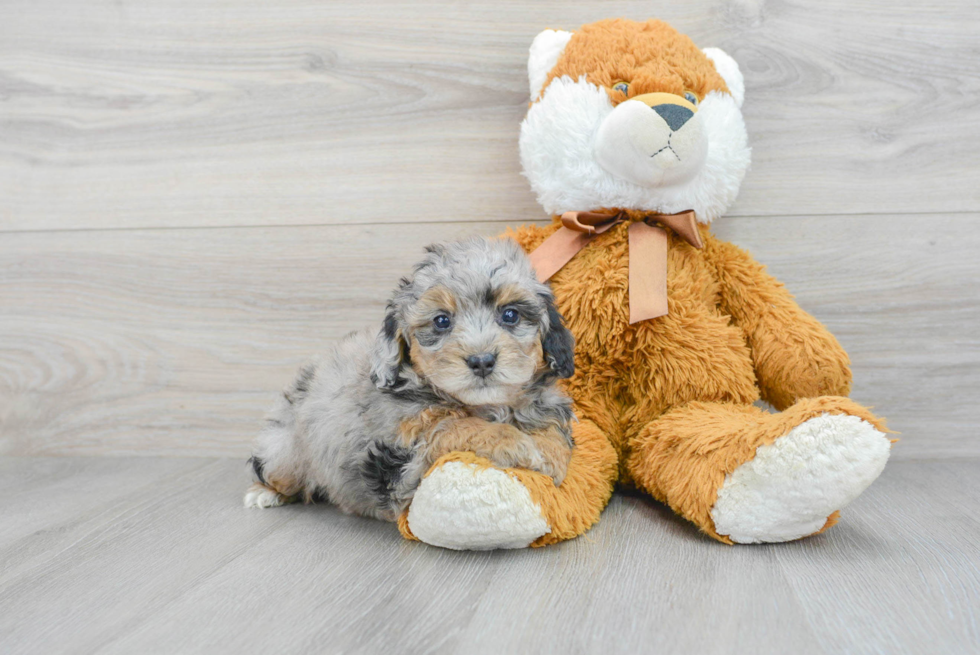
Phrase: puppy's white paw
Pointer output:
(466, 507)
(531, 458)
(795, 483)
(260, 496)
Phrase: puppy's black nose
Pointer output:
(674, 115)
(481, 364)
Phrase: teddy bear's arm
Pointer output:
(795, 356)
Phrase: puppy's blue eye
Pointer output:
(691, 98)
(622, 87)
(442, 322)
(510, 316)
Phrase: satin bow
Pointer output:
(647, 253)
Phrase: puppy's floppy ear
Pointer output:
(386, 359)
(558, 342)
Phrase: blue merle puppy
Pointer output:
(466, 360)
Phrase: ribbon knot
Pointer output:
(647, 253)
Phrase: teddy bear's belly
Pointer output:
(637, 372)
(678, 361)
(665, 362)
(627, 375)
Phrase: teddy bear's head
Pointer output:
(630, 115)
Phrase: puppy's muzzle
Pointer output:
(482, 364)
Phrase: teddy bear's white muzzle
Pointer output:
(651, 146)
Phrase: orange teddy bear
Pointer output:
(635, 142)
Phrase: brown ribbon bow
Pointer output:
(647, 253)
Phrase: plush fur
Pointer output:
(673, 397)
(544, 53)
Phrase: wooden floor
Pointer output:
(197, 196)
(157, 555)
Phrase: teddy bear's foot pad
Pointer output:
(468, 507)
(794, 484)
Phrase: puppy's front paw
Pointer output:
(557, 455)
(555, 470)
(534, 455)
(518, 453)
(259, 495)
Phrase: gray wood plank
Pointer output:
(175, 113)
(646, 582)
(79, 496)
(176, 341)
(182, 567)
(912, 544)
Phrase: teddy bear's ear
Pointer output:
(545, 51)
(728, 69)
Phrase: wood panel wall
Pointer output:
(194, 197)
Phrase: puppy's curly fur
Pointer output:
(466, 359)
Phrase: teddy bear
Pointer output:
(634, 142)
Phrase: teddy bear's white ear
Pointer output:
(728, 69)
(545, 51)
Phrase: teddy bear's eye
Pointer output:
(691, 98)
(622, 87)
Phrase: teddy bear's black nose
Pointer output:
(482, 364)
(675, 115)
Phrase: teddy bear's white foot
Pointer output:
(794, 484)
(466, 507)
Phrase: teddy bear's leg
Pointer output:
(466, 503)
(744, 475)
